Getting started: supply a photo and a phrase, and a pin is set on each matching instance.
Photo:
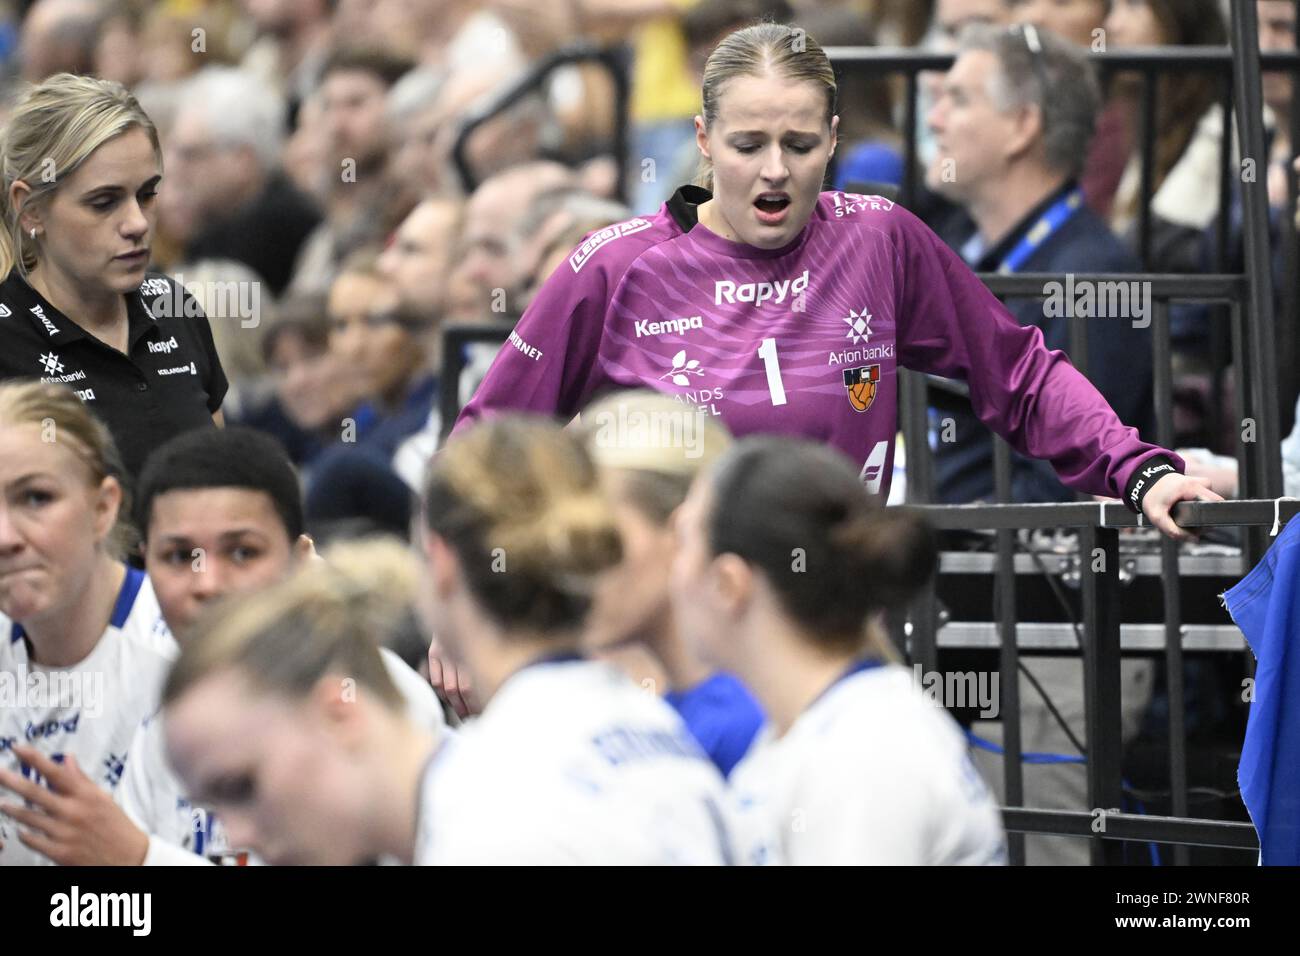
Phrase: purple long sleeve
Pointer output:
(803, 340)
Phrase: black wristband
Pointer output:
(1143, 477)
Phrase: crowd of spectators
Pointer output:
(310, 148)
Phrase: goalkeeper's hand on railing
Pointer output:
(1167, 491)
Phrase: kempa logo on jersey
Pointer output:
(164, 347)
(40, 314)
(43, 691)
(598, 239)
(668, 327)
(724, 290)
(4, 311)
(130, 910)
(179, 370)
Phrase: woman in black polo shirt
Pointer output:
(81, 166)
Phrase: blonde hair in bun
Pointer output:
(520, 502)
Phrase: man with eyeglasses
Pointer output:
(1013, 123)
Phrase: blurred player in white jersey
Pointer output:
(221, 513)
(570, 762)
(281, 716)
(83, 651)
(784, 565)
(648, 448)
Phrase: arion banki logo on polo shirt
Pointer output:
(55, 372)
(52, 366)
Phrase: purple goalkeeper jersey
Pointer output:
(803, 340)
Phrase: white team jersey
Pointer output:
(871, 773)
(572, 763)
(181, 833)
(90, 710)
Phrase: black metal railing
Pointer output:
(1098, 524)
(1255, 348)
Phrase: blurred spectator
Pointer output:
(413, 119)
(951, 17)
(289, 52)
(223, 162)
(418, 260)
(363, 205)
(1012, 127)
(237, 304)
(1188, 130)
(59, 36)
(385, 350)
(1079, 21)
(1083, 22)
(389, 353)
(555, 225)
(515, 135)
(870, 149)
(487, 280)
(467, 34)
(1191, 323)
(311, 394)
(1277, 22)
(306, 154)
(665, 97)
(120, 52)
(181, 42)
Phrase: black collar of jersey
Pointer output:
(684, 206)
(992, 259)
(56, 327)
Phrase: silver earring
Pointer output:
(33, 232)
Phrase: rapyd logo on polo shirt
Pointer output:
(165, 347)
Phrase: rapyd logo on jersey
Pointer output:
(862, 384)
(725, 290)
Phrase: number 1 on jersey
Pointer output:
(767, 352)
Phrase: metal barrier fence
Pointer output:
(1255, 346)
